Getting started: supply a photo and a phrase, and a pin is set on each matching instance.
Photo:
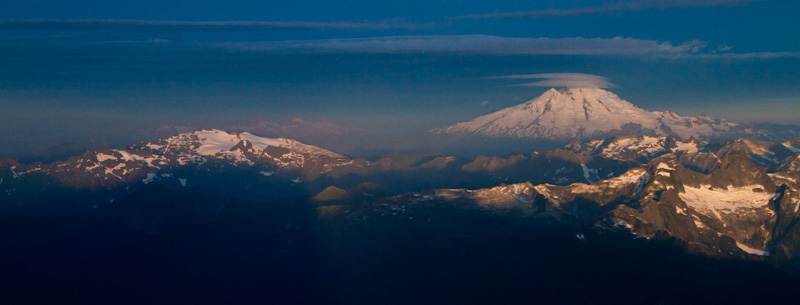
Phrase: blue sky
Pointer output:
(102, 69)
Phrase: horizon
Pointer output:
(330, 134)
(107, 73)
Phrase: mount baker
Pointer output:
(583, 113)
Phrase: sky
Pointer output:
(113, 71)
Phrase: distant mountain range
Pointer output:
(651, 174)
(734, 198)
(250, 167)
(585, 113)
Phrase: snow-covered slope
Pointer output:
(218, 143)
(583, 113)
(104, 168)
(644, 147)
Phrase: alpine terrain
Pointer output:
(581, 113)
(655, 211)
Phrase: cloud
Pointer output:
(749, 56)
(614, 7)
(485, 103)
(236, 24)
(569, 83)
(497, 45)
(572, 80)
(471, 44)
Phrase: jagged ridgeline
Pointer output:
(248, 167)
(734, 198)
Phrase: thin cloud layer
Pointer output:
(614, 7)
(569, 80)
(472, 44)
(289, 25)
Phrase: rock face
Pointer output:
(718, 202)
(735, 198)
(581, 113)
(728, 211)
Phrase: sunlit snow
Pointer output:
(713, 201)
(752, 250)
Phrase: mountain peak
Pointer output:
(579, 90)
(576, 91)
(210, 142)
(559, 114)
(570, 113)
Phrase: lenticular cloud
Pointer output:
(569, 80)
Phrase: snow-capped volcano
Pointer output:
(583, 113)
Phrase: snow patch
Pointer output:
(103, 157)
(620, 223)
(752, 250)
(629, 177)
(260, 143)
(28, 172)
(128, 156)
(663, 169)
(110, 171)
(777, 197)
(642, 180)
(779, 176)
(215, 141)
(772, 160)
(796, 205)
(586, 173)
(687, 147)
(665, 166)
(150, 178)
(713, 201)
(790, 147)
(699, 224)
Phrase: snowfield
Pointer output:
(713, 201)
(582, 113)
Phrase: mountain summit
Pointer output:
(584, 113)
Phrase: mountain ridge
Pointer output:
(741, 191)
